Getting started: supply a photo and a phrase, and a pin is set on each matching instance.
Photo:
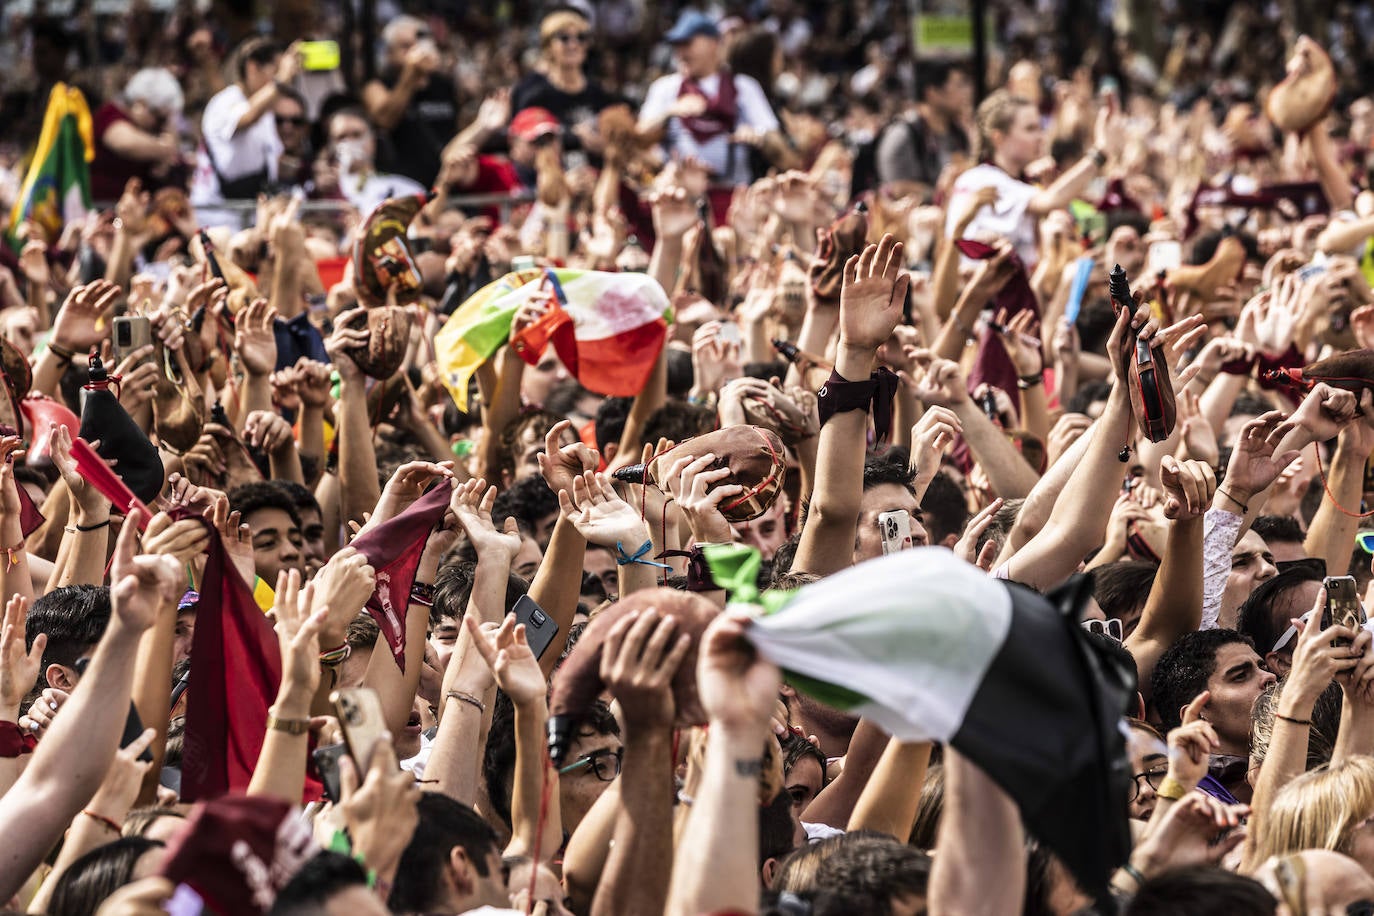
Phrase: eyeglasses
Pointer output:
(568, 38)
(605, 763)
(1153, 777)
(294, 120)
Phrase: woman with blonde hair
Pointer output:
(1331, 807)
(1009, 137)
(559, 82)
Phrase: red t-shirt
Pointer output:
(495, 175)
(110, 171)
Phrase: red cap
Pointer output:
(533, 123)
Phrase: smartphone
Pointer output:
(522, 262)
(1342, 605)
(319, 55)
(895, 529)
(327, 766)
(540, 628)
(359, 710)
(129, 333)
(1163, 255)
(728, 333)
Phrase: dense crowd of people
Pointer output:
(398, 462)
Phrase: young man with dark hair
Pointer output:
(1201, 890)
(1283, 535)
(610, 421)
(888, 487)
(1120, 590)
(1225, 663)
(73, 618)
(452, 864)
(328, 884)
(313, 550)
(1265, 615)
(271, 517)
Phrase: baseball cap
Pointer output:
(533, 123)
(691, 24)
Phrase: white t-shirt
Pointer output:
(754, 111)
(252, 149)
(375, 189)
(1007, 218)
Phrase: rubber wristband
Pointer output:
(1292, 721)
(1171, 789)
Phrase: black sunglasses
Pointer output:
(298, 121)
(569, 37)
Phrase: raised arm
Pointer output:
(889, 800)
(517, 673)
(1331, 536)
(871, 300)
(980, 835)
(1008, 472)
(358, 484)
(280, 771)
(714, 869)
(1174, 605)
(643, 652)
(73, 757)
(1080, 514)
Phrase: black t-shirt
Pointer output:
(571, 108)
(412, 148)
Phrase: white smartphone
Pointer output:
(1166, 254)
(895, 529)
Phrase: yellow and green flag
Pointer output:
(58, 184)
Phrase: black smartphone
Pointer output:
(133, 725)
(540, 628)
(327, 766)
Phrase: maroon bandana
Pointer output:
(721, 113)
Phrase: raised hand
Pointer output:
(932, 435)
(119, 790)
(673, 213)
(343, 339)
(141, 586)
(472, 503)
(1018, 339)
(342, 586)
(1196, 830)
(406, 486)
(1253, 465)
(738, 688)
(236, 537)
(138, 379)
(691, 482)
(872, 295)
(254, 340)
(560, 465)
(601, 516)
(75, 327)
(91, 504)
(19, 669)
(1192, 743)
(1318, 656)
(1188, 487)
(380, 814)
(510, 659)
(1325, 411)
(942, 385)
(967, 548)
(298, 619)
(183, 541)
(640, 657)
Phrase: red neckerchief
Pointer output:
(721, 113)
